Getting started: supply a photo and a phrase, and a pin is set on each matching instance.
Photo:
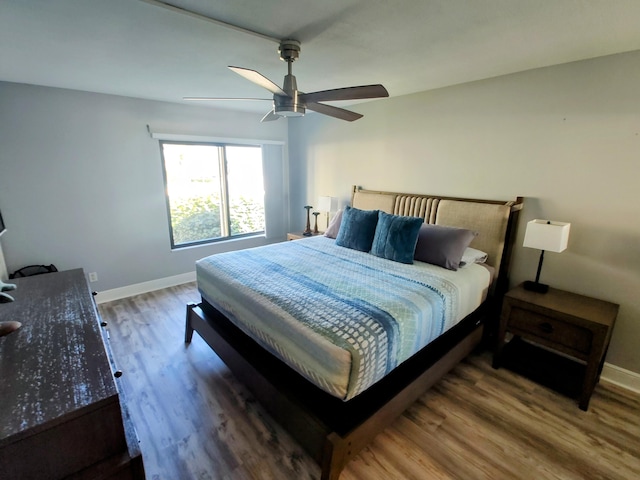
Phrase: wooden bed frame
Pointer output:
(334, 431)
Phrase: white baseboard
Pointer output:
(621, 377)
(610, 373)
(145, 287)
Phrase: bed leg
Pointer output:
(333, 457)
(188, 329)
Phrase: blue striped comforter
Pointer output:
(340, 317)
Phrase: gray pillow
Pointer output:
(442, 246)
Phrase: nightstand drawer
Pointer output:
(555, 333)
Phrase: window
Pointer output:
(214, 191)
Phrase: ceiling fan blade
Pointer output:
(348, 93)
(270, 117)
(218, 99)
(336, 112)
(259, 79)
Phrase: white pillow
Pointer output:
(471, 255)
(334, 225)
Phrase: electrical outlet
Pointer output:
(93, 277)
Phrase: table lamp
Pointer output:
(328, 205)
(545, 235)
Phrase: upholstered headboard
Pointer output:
(494, 220)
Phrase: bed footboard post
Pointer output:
(333, 457)
(188, 329)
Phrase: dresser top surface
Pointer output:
(54, 366)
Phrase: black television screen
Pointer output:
(2, 227)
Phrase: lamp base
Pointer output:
(535, 287)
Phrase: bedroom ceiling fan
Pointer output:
(288, 101)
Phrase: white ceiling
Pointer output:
(138, 49)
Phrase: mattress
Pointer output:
(341, 318)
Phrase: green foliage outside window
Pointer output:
(247, 216)
(198, 218)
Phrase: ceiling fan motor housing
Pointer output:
(289, 106)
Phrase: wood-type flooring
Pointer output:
(196, 421)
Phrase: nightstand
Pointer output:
(299, 235)
(557, 331)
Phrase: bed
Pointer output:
(281, 331)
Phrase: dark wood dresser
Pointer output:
(61, 415)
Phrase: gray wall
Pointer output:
(567, 138)
(81, 181)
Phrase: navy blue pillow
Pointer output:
(396, 237)
(357, 229)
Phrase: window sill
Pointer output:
(250, 239)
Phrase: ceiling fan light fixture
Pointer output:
(288, 106)
(294, 111)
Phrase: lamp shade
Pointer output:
(547, 235)
(327, 204)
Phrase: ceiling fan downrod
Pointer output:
(289, 106)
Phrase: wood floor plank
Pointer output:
(572, 433)
(196, 421)
(483, 438)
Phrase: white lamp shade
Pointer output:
(327, 204)
(547, 235)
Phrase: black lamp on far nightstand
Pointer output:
(545, 235)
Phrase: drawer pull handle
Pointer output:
(117, 374)
(546, 327)
(103, 324)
